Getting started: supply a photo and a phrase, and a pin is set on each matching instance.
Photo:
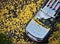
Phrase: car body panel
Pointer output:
(37, 30)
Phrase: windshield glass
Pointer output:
(43, 18)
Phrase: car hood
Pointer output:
(36, 30)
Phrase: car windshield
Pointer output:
(43, 18)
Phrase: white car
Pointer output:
(39, 28)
